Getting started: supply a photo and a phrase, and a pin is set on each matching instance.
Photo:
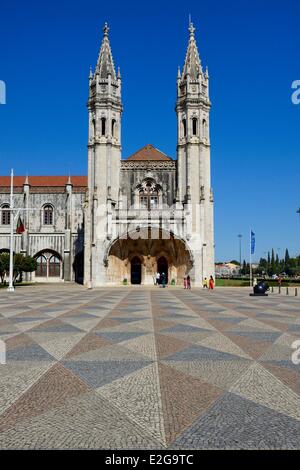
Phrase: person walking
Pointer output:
(157, 277)
(205, 283)
(211, 283)
(163, 279)
(185, 282)
(188, 282)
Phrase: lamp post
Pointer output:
(11, 245)
(240, 243)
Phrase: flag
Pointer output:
(252, 242)
(20, 226)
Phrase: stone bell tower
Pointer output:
(104, 159)
(193, 158)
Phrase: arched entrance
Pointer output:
(136, 270)
(137, 259)
(163, 267)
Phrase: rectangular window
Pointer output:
(144, 202)
(153, 202)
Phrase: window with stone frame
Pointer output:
(149, 194)
(5, 214)
(48, 215)
(54, 266)
(41, 266)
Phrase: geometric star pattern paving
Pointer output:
(148, 368)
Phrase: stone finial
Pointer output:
(105, 29)
(192, 29)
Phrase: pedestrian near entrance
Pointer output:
(205, 283)
(188, 282)
(211, 283)
(157, 278)
(163, 279)
(185, 282)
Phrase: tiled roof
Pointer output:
(149, 153)
(56, 181)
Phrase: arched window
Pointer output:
(194, 122)
(49, 264)
(48, 215)
(184, 127)
(5, 214)
(103, 126)
(41, 269)
(113, 128)
(204, 129)
(54, 266)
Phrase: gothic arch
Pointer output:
(49, 264)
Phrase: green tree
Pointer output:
(22, 264)
(4, 265)
(29, 264)
(286, 256)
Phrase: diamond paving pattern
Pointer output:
(148, 368)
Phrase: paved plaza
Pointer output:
(148, 368)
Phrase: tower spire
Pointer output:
(192, 64)
(105, 63)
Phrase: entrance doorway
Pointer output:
(136, 270)
(163, 267)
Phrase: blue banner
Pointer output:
(252, 242)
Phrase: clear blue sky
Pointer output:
(252, 50)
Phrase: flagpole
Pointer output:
(11, 248)
(250, 258)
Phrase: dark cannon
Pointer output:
(260, 289)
